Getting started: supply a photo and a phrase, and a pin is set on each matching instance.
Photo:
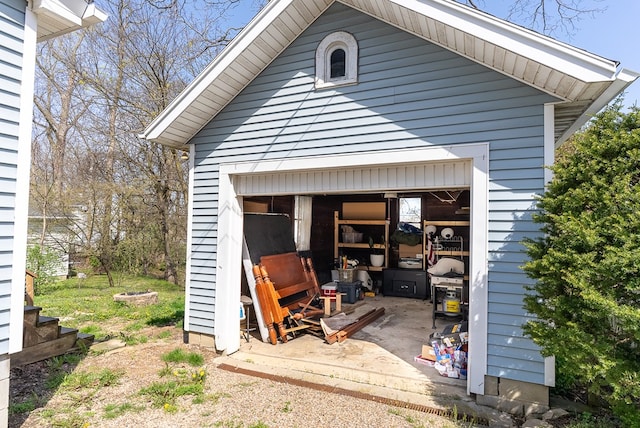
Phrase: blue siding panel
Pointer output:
(410, 93)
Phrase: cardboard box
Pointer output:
(364, 211)
(424, 361)
(428, 353)
(255, 207)
(411, 251)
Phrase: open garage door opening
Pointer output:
(450, 186)
(415, 233)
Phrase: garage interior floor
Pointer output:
(377, 360)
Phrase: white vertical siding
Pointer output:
(12, 20)
(410, 94)
(434, 175)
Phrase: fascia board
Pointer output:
(58, 11)
(560, 56)
(624, 78)
(92, 15)
(71, 15)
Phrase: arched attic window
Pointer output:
(337, 60)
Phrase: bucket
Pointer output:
(451, 303)
(363, 276)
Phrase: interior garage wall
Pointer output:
(410, 93)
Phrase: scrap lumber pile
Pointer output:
(341, 327)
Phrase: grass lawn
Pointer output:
(87, 305)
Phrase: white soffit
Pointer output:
(58, 17)
(576, 77)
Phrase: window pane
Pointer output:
(338, 63)
(411, 211)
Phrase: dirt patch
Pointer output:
(229, 399)
(35, 383)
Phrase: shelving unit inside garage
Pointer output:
(449, 293)
(376, 228)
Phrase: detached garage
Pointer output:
(365, 101)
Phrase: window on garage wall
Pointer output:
(410, 211)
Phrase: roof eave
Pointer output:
(623, 79)
(153, 132)
(60, 17)
(512, 37)
(582, 69)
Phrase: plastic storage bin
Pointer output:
(346, 275)
(351, 290)
(351, 237)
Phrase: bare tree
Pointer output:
(552, 17)
(124, 199)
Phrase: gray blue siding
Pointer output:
(411, 93)
(11, 41)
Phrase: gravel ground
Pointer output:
(229, 399)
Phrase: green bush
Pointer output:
(42, 261)
(587, 266)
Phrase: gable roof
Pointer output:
(583, 82)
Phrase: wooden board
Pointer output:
(284, 269)
(290, 280)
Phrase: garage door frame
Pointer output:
(230, 232)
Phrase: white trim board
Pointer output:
(22, 182)
(230, 241)
(187, 285)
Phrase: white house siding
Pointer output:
(410, 93)
(12, 18)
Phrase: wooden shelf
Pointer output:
(363, 222)
(361, 246)
(451, 253)
(371, 268)
(447, 223)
